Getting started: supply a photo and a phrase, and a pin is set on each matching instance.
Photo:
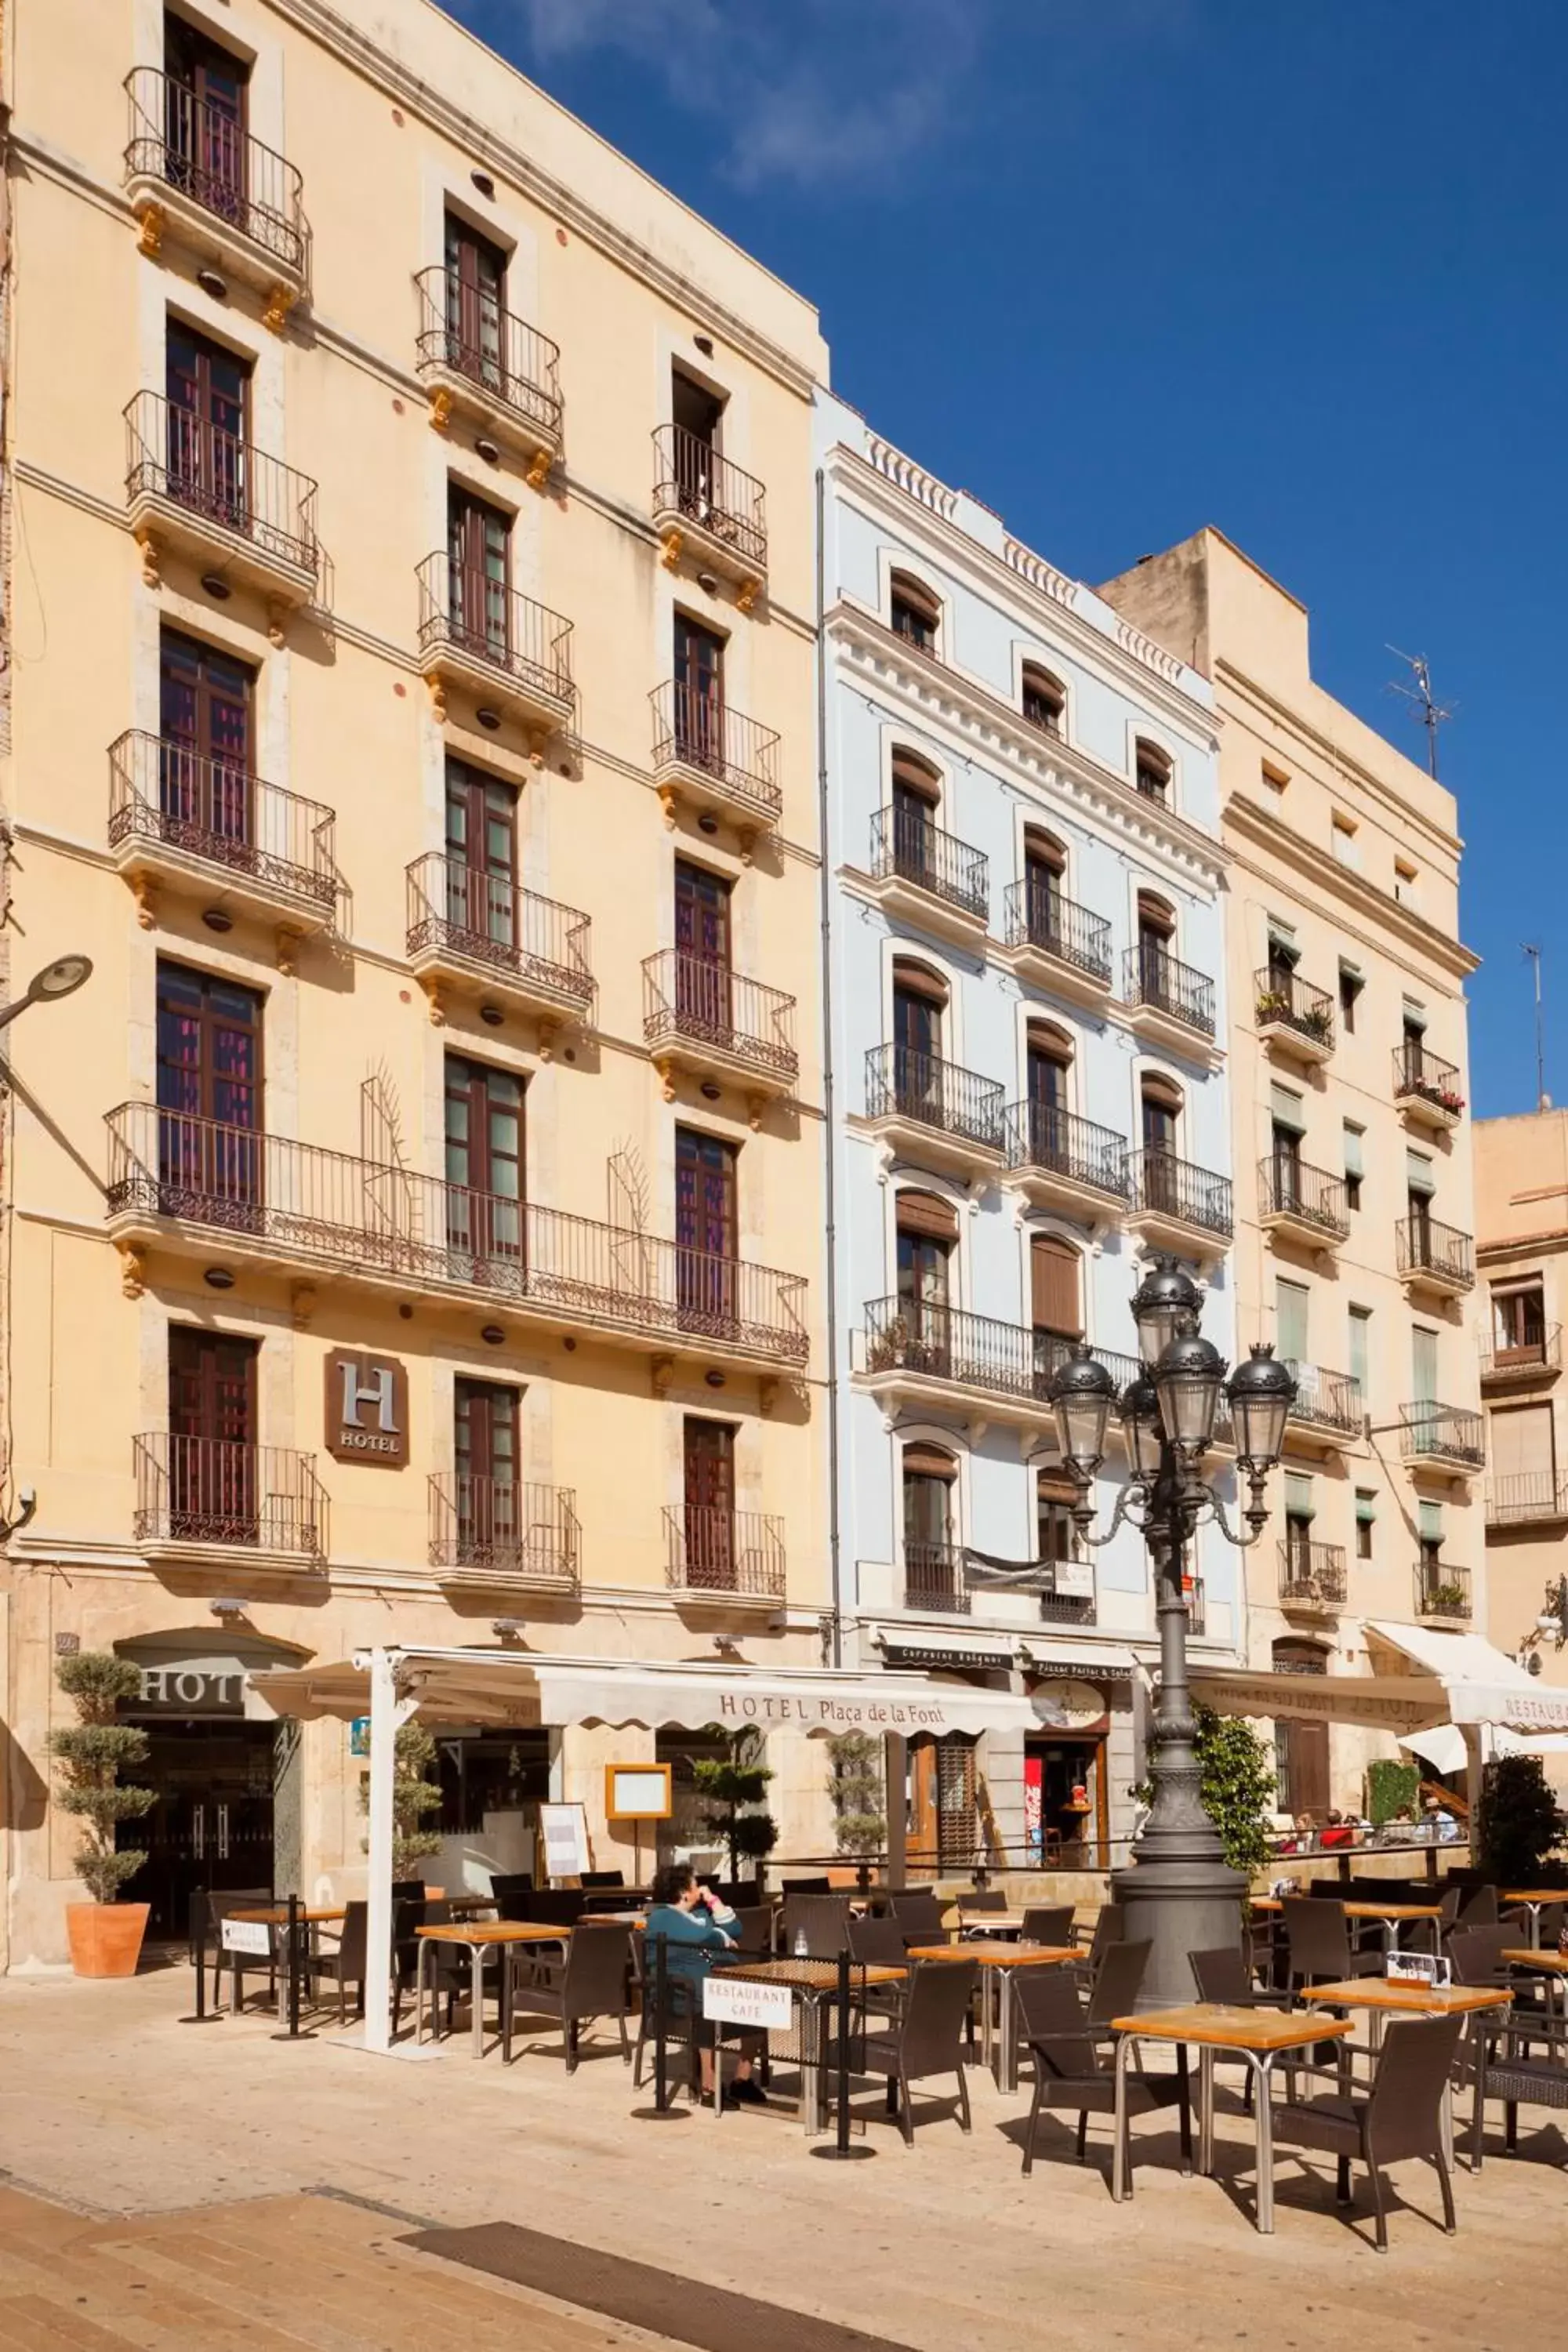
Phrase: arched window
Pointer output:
(1055, 1299)
(1044, 698)
(927, 1235)
(932, 1572)
(1151, 770)
(1162, 1106)
(915, 612)
(920, 1000)
(1049, 1057)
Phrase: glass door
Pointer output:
(484, 1171)
(204, 782)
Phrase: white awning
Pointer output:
(1464, 1681)
(1484, 1685)
(513, 1688)
(1378, 1702)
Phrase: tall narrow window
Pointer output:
(1413, 1041)
(927, 1235)
(490, 1519)
(1519, 1326)
(209, 1097)
(476, 303)
(1365, 1521)
(1151, 770)
(211, 1437)
(1344, 843)
(208, 391)
(1156, 929)
(709, 1458)
(1299, 1510)
(705, 1230)
(1056, 1287)
(485, 1189)
(1420, 1182)
(204, 130)
(481, 855)
(919, 999)
(702, 976)
(1354, 1138)
(914, 611)
(1523, 1464)
(1360, 1343)
(696, 415)
(1423, 1368)
(479, 549)
(1288, 1118)
(917, 789)
(1291, 1305)
(204, 782)
(1351, 982)
(699, 694)
(1161, 1105)
(695, 411)
(1043, 698)
(930, 1564)
(1045, 868)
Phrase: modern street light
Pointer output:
(61, 978)
(1177, 1891)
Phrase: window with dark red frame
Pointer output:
(211, 1437)
(209, 1097)
(705, 1229)
(709, 1448)
(204, 96)
(489, 1499)
(205, 780)
(485, 1191)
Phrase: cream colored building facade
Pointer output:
(414, 1221)
(1355, 1206)
(1521, 1250)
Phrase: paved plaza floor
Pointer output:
(170, 2185)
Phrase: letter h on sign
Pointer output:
(367, 1409)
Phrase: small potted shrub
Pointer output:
(105, 1934)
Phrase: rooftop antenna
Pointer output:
(1429, 713)
(1542, 1101)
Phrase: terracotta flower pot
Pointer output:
(105, 1938)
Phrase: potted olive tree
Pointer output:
(105, 1934)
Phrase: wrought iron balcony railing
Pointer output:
(934, 1578)
(691, 480)
(1285, 1001)
(1442, 1589)
(903, 1084)
(1326, 1400)
(1428, 1247)
(914, 850)
(947, 1343)
(1288, 1187)
(325, 1207)
(219, 1490)
(1039, 1135)
(1040, 918)
(488, 919)
(1423, 1077)
(710, 1550)
(198, 151)
(1312, 1575)
(164, 792)
(1062, 1607)
(1162, 1185)
(1198, 1606)
(495, 1527)
(1527, 1494)
(1538, 1350)
(460, 331)
(173, 454)
(495, 624)
(693, 729)
(1151, 977)
(697, 999)
(1442, 1433)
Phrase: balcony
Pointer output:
(701, 1016)
(1327, 1408)
(1302, 1203)
(1058, 1161)
(490, 1535)
(941, 1115)
(1198, 1606)
(1528, 1498)
(208, 830)
(931, 879)
(479, 933)
(1057, 944)
(1443, 1436)
(219, 1503)
(1293, 1017)
(513, 656)
(1175, 1206)
(921, 1352)
(1434, 1257)
(934, 1579)
(724, 1559)
(1442, 1592)
(708, 512)
(714, 760)
(491, 369)
(1312, 1580)
(193, 175)
(1536, 1356)
(221, 503)
(1067, 1595)
(176, 1183)
(1166, 1000)
(1426, 1089)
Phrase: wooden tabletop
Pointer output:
(494, 1931)
(1232, 2029)
(999, 1955)
(276, 1915)
(990, 1918)
(813, 1976)
(1533, 1894)
(1353, 1910)
(1427, 2000)
(1548, 1963)
(617, 1919)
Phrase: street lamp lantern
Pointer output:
(1261, 1392)
(1166, 1307)
(1082, 1392)
(61, 978)
(1140, 1427)
(1187, 1381)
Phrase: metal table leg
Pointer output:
(986, 2035)
(1121, 2170)
(1206, 2108)
(1262, 2066)
(420, 1949)
(810, 2065)
(1006, 2033)
(477, 1981)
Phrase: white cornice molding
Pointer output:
(978, 722)
(1042, 596)
(1402, 815)
(1386, 914)
(406, 89)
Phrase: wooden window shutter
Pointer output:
(1522, 1443)
(928, 1462)
(915, 980)
(924, 1213)
(1054, 1282)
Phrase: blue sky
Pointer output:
(1121, 267)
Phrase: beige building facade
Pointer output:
(1354, 1208)
(414, 1221)
(1521, 1250)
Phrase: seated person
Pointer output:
(693, 1921)
(1337, 1831)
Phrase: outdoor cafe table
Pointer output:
(1535, 1900)
(276, 1915)
(1380, 1998)
(1257, 2035)
(1548, 1965)
(999, 1961)
(1391, 1916)
(481, 1936)
(813, 1984)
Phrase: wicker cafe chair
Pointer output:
(1073, 2058)
(926, 2039)
(921, 1915)
(219, 1906)
(1500, 2063)
(1400, 2116)
(592, 1981)
(1047, 1923)
(1225, 1976)
(822, 1919)
(1318, 1944)
(343, 1963)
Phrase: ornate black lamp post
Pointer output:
(1177, 1890)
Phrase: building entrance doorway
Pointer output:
(212, 1825)
(1067, 1803)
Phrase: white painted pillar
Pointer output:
(1477, 1746)
(387, 1712)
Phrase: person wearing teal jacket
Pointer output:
(698, 1932)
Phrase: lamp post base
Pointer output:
(1179, 1905)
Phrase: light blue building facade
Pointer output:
(1026, 1012)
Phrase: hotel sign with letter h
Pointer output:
(367, 1409)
